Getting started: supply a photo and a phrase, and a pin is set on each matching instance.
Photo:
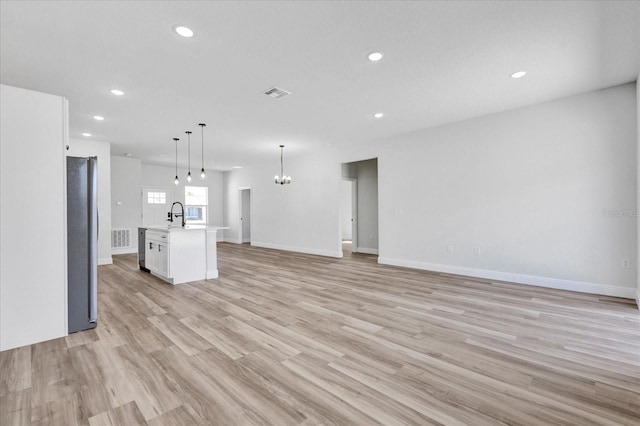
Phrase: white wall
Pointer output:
(161, 176)
(33, 261)
(527, 187)
(126, 181)
(533, 189)
(102, 150)
(302, 216)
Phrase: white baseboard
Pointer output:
(561, 284)
(305, 250)
(125, 250)
(105, 260)
(237, 241)
(365, 250)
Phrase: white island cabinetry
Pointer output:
(157, 253)
(180, 255)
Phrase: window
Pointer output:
(195, 204)
(156, 198)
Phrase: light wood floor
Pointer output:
(293, 339)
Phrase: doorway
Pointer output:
(362, 177)
(348, 211)
(154, 205)
(244, 230)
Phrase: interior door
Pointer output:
(245, 215)
(155, 205)
(346, 210)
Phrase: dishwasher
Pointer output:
(142, 236)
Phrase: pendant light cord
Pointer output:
(281, 162)
(176, 140)
(202, 125)
(176, 180)
(189, 149)
(202, 133)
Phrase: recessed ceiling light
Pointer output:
(518, 74)
(99, 118)
(86, 134)
(375, 56)
(237, 167)
(117, 92)
(378, 115)
(183, 31)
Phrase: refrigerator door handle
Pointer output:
(93, 238)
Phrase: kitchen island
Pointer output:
(178, 254)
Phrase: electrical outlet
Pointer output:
(626, 264)
(449, 248)
(476, 251)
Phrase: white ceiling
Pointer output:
(443, 62)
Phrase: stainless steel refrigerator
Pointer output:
(82, 242)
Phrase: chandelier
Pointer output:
(282, 178)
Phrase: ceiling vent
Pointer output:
(276, 93)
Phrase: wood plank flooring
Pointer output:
(293, 339)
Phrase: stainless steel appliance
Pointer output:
(82, 242)
(142, 237)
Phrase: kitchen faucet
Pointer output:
(171, 214)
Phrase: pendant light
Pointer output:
(282, 179)
(189, 154)
(202, 174)
(176, 180)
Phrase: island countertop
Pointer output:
(170, 228)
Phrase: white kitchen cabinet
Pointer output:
(157, 253)
(163, 259)
(176, 255)
(179, 255)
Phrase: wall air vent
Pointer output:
(120, 238)
(276, 93)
